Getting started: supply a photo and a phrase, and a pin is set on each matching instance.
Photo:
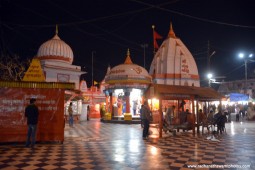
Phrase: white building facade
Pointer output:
(173, 64)
(56, 59)
(238, 86)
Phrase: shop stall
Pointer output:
(182, 98)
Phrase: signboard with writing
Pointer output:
(34, 72)
(185, 72)
(13, 125)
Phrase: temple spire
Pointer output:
(108, 70)
(171, 31)
(128, 59)
(56, 29)
(56, 37)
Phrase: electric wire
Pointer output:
(194, 17)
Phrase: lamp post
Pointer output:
(209, 60)
(246, 59)
(209, 75)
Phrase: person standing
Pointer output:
(70, 112)
(134, 107)
(146, 119)
(141, 116)
(88, 112)
(32, 114)
(237, 113)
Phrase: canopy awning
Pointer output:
(236, 97)
(183, 92)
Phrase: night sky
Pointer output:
(110, 27)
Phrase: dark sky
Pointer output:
(110, 27)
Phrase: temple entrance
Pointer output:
(119, 102)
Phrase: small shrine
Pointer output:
(124, 88)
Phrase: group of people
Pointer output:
(32, 114)
(219, 119)
(70, 114)
(241, 112)
(216, 120)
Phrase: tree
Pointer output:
(12, 67)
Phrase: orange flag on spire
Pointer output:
(156, 36)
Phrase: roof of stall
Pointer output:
(183, 92)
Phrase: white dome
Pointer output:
(55, 49)
(128, 73)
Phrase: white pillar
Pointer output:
(84, 112)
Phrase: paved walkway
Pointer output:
(97, 145)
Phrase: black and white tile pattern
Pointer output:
(102, 146)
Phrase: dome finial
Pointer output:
(171, 31)
(56, 29)
(128, 59)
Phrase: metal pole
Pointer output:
(92, 72)
(209, 66)
(208, 57)
(144, 52)
(245, 65)
(153, 36)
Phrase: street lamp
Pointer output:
(246, 58)
(209, 75)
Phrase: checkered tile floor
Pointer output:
(96, 145)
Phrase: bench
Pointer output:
(185, 122)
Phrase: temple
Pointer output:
(124, 88)
(173, 64)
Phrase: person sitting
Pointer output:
(201, 117)
(168, 116)
(208, 121)
(186, 121)
(220, 121)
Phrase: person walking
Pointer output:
(237, 113)
(146, 119)
(70, 112)
(32, 114)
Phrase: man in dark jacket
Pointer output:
(32, 114)
(146, 119)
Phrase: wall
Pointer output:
(13, 126)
